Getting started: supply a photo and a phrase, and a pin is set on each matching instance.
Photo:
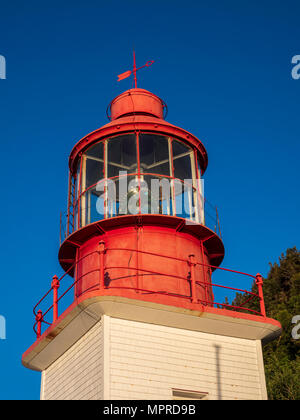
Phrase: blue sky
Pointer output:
(223, 68)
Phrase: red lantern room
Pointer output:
(135, 184)
(141, 252)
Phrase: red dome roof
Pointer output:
(136, 102)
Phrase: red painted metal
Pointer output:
(183, 289)
(138, 167)
(55, 286)
(134, 70)
(177, 226)
(101, 251)
(79, 193)
(145, 256)
(143, 123)
(172, 177)
(136, 102)
(259, 283)
(193, 278)
(128, 73)
(69, 202)
(203, 270)
(123, 266)
(39, 318)
(152, 258)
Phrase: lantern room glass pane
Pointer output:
(92, 206)
(156, 195)
(121, 155)
(96, 151)
(93, 166)
(154, 154)
(94, 172)
(185, 200)
(181, 160)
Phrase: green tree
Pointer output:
(282, 300)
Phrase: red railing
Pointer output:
(191, 278)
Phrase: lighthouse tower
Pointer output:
(135, 314)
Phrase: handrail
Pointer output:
(181, 259)
(190, 278)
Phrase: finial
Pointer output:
(134, 70)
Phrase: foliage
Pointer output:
(282, 300)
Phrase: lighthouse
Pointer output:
(135, 314)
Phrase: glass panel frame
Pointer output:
(161, 154)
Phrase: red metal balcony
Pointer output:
(109, 286)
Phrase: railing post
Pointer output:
(259, 283)
(38, 318)
(211, 293)
(101, 250)
(55, 286)
(193, 279)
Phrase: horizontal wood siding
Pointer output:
(147, 361)
(78, 373)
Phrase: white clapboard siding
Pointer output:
(121, 359)
(147, 361)
(78, 373)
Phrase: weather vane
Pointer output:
(135, 69)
